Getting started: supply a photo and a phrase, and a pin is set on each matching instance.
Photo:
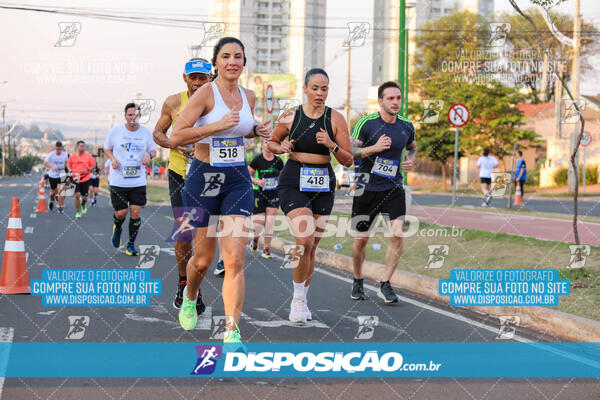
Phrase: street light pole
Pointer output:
(3, 146)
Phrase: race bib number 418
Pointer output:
(314, 179)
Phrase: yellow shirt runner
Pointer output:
(178, 161)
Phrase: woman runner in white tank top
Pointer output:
(217, 119)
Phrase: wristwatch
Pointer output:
(335, 149)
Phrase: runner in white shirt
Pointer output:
(486, 164)
(55, 162)
(129, 147)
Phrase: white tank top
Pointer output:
(220, 109)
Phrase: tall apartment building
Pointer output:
(281, 36)
(386, 21)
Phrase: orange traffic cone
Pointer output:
(518, 196)
(41, 205)
(14, 277)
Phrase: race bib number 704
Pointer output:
(385, 167)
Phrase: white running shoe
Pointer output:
(297, 310)
(307, 311)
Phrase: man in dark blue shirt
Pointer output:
(521, 172)
(378, 141)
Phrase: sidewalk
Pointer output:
(592, 192)
(560, 230)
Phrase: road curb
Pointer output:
(544, 320)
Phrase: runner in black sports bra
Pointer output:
(307, 182)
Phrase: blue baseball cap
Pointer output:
(197, 66)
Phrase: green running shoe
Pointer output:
(188, 317)
(232, 341)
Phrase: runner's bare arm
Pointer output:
(200, 103)
(254, 180)
(47, 165)
(411, 151)
(383, 143)
(278, 143)
(357, 148)
(342, 139)
(163, 123)
(109, 154)
(411, 156)
(259, 129)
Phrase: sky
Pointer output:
(81, 85)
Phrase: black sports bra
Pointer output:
(304, 131)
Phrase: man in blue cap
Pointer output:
(196, 73)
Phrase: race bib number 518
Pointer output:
(227, 152)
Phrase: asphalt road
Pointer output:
(59, 241)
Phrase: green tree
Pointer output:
(435, 140)
(21, 165)
(494, 119)
(445, 42)
(526, 49)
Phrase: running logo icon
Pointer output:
(571, 115)
(358, 183)
(77, 325)
(366, 326)
(579, 254)
(68, 34)
(357, 34)
(146, 108)
(212, 183)
(508, 326)
(219, 327)
(431, 111)
(285, 106)
(212, 32)
(292, 254)
(207, 359)
(148, 254)
(498, 34)
(500, 182)
(183, 230)
(437, 255)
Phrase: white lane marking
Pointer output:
(33, 215)
(425, 306)
(204, 320)
(27, 257)
(28, 229)
(469, 321)
(6, 336)
(278, 322)
(135, 317)
(46, 312)
(169, 250)
(390, 327)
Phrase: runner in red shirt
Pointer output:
(80, 166)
